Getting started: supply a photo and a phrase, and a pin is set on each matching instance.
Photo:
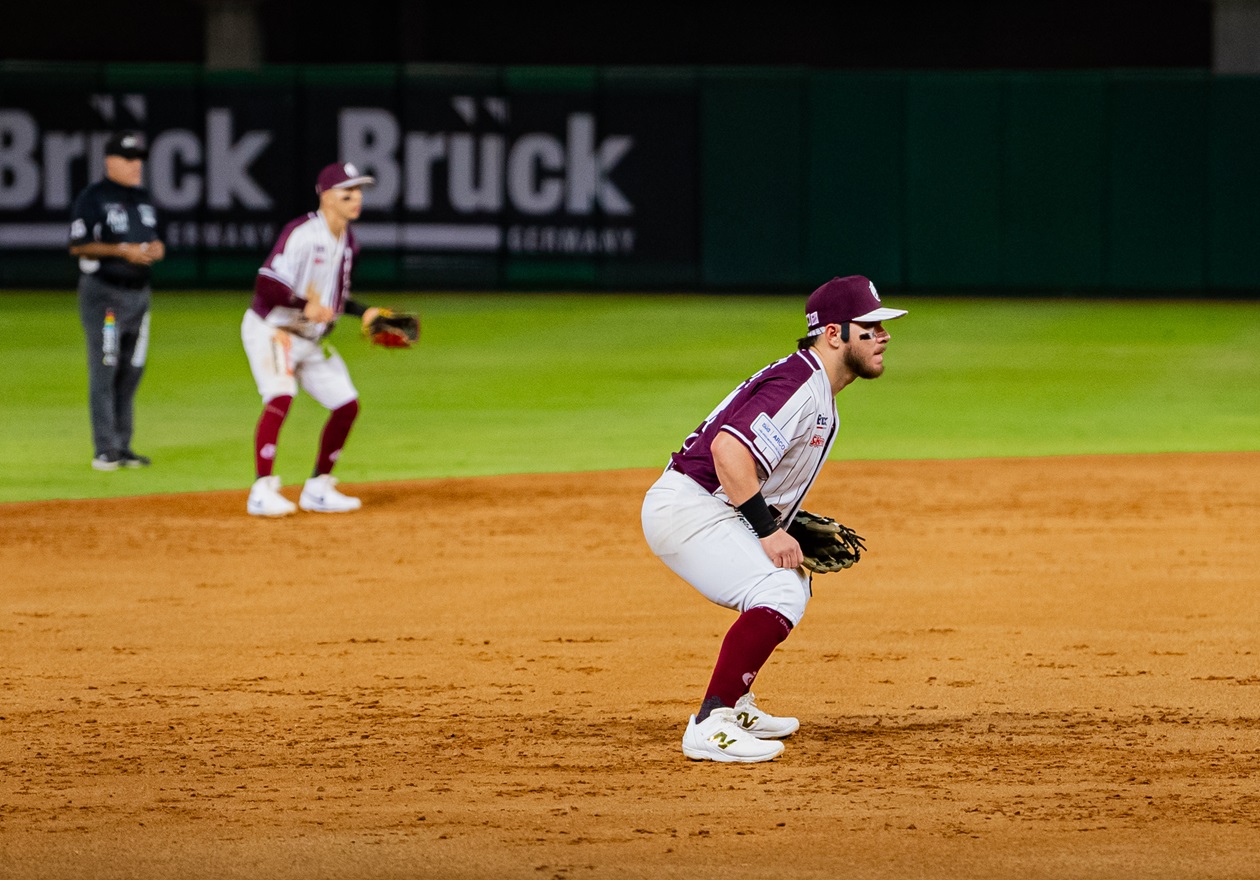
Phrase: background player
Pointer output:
(114, 233)
(301, 290)
(709, 516)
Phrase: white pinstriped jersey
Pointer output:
(785, 415)
(307, 254)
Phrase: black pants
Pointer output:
(116, 324)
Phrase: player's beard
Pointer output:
(862, 367)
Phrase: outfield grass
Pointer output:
(537, 383)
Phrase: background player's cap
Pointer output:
(128, 144)
(340, 175)
(841, 300)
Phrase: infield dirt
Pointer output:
(1041, 668)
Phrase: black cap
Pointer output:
(128, 144)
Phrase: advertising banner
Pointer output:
(51, 138)
(468, 179)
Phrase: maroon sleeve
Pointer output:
(269, 293)
(763, 394)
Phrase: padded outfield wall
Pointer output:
(678, 178)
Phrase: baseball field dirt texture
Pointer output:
(1043, 667)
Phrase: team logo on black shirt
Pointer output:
(116, 217)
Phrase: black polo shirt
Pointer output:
(109, 212)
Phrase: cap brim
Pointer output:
(363, 180)
(881, 315)
(129, 154)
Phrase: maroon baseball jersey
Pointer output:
(785, 416)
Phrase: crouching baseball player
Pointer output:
(719, 516)
(300, 291)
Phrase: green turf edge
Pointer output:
(538, 383)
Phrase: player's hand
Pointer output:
(314, 310)
(317, 313)
(140, 254)
(156, 250)
(783, 549)
(370, 315)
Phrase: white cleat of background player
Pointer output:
(265, 498)
(321, 496)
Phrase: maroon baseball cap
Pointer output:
(841, 300)
(340, 175)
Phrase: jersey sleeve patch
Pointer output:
(770, 440)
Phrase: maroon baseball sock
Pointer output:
(748, 644)
(336, 430)
(268, 433)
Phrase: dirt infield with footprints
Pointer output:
(1042, 668)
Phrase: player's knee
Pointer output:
(279, 405)
(793, 609)
(785, 592)
(347, 412)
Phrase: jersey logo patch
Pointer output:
(768, 434)
(116, 217)
(817, 440)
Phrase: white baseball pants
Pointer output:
(280, 361)
(707, 544)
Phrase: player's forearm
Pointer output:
(97, 249)
(141, 253)
(738, 473)
(736, 470)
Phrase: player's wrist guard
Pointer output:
(758, 515)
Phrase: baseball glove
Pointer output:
(392, 329)
(827, 545)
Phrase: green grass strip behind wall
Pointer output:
(545, 383)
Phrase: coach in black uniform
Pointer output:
(114, 233)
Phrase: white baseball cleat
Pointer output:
(265, 499)
(321, 496)
(762, 724)
(719, 738)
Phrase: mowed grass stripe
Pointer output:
(517, 383)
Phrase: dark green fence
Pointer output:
(698, 178)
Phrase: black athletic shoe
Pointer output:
(107, 461)
(127, 458)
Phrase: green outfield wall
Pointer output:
(664, 178)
